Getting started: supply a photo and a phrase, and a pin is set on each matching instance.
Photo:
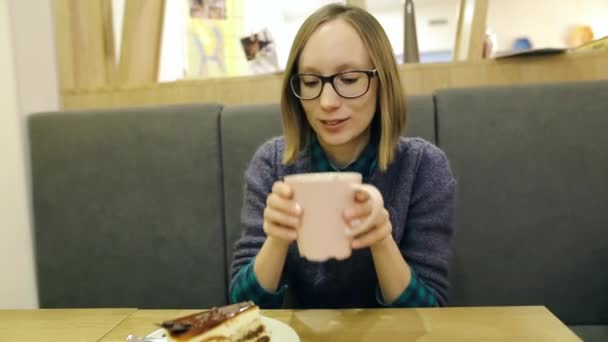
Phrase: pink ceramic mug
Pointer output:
(323, 198)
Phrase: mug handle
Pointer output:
(375, 196)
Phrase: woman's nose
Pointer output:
(329, 97)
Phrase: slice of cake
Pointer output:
(234, 323)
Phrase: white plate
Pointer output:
(277, 330)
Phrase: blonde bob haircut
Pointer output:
(390, 113)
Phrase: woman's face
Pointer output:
(341, 124)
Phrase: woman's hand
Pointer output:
(368, 220)
(282, 215)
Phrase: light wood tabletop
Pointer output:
(59, 325)
(529, 323)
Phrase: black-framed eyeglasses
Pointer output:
(347, 84)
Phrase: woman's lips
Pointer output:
(333, 122)
(333, 125)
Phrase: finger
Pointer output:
(279, 203)
(278, 231)
(377, 204)
(358, 211)
(282, 189)
(281, 218)
(361, 225)
(369, 238)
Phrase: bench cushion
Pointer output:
(127, 208)
(531, 164)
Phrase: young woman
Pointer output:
(344, 110)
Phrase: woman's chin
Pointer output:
(333, 139)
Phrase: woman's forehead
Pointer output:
(334, 46)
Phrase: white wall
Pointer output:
(17, 286)
(172, 61)
(28, 83)
(431, 38)
(34, 50)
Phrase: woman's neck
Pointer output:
(343, 155)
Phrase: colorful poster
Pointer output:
(205, 9)
(212, 44)
(260, 52)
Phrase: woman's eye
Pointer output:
(310, 83)
(349, 80)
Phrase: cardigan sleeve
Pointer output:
(259, 178)
(429, 223)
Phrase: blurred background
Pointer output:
(60, 55)
(203, 46)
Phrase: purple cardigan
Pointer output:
(418, 190)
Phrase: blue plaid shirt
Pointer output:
(247, 287)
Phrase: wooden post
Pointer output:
(471, 30)
(141, 41)
(84, 43)
(410, 37)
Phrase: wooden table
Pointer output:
(532, 323)
(78, 325)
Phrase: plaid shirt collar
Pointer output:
(365, 164)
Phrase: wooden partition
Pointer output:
(85, 43)
(141, 39)
(471, 30)
(418, 79)
(90, 77)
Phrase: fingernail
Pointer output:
(294, 220)
(297, 208)
(355, 223)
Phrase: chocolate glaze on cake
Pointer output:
(202, 322)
